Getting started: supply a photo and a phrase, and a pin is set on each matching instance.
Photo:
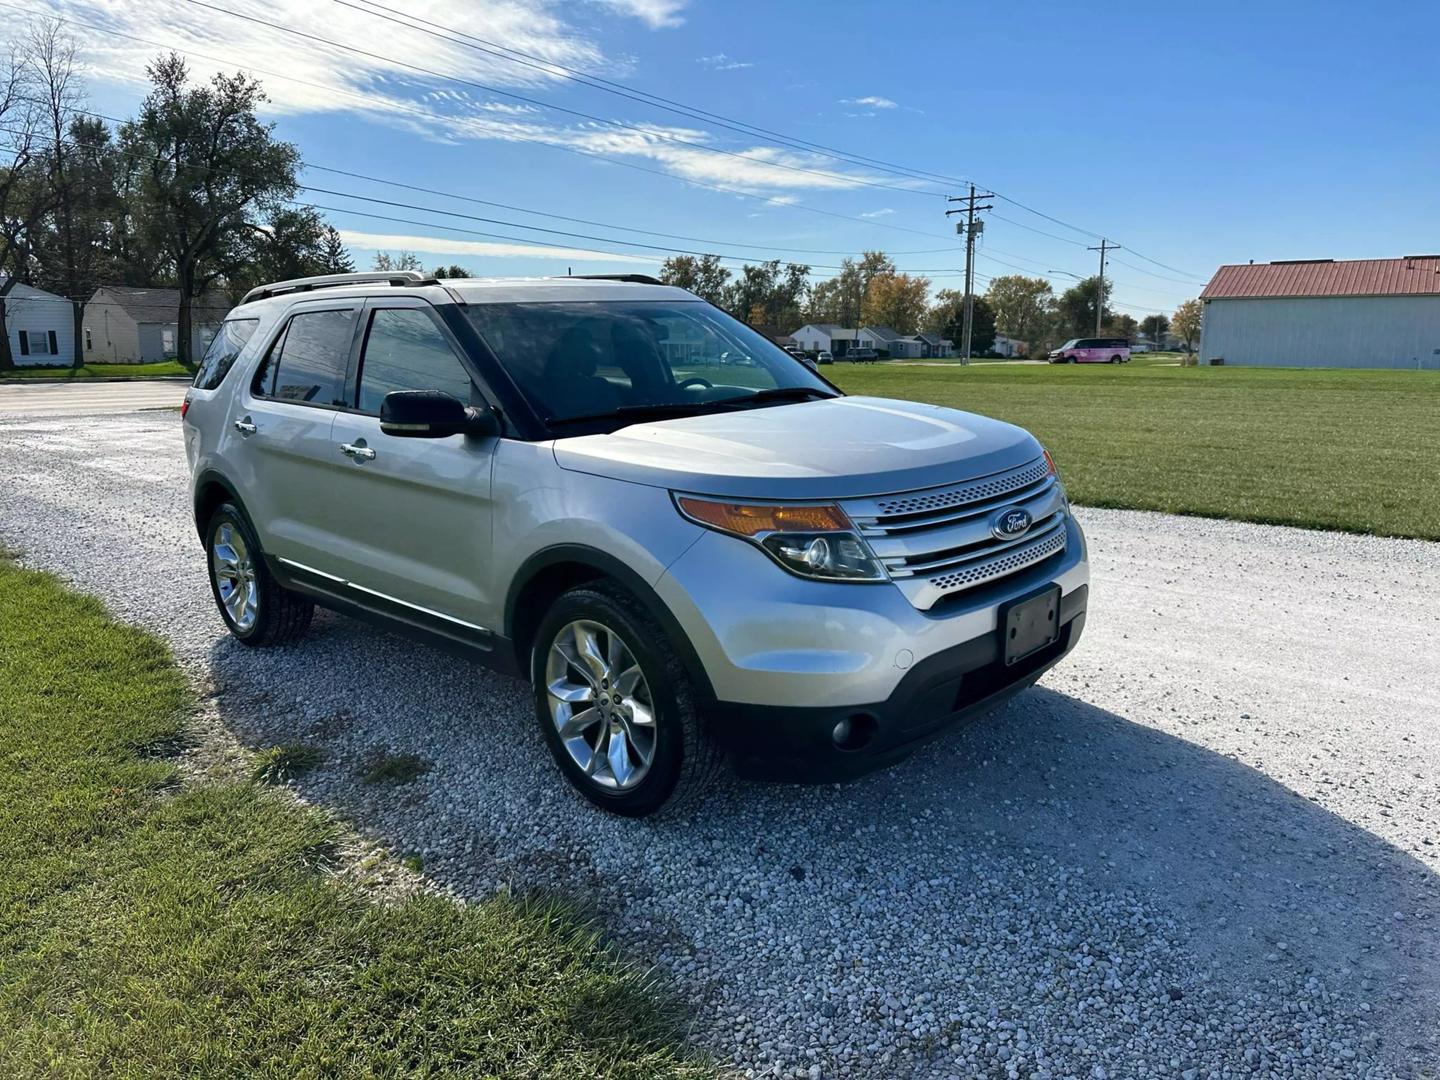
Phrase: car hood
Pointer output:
(837, 448)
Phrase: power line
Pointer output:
(539, 103)
(406, 107)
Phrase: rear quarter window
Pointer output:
(224, 348)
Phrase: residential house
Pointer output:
(127, 325)
(935, 347)
(814, 337)
(40, 325)
(1010, 347)
(884, 339)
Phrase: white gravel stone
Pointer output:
(1093, 882)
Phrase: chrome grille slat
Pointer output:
(937, 541)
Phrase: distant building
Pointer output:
(814, 337)
(1365, 313)
(935, 347)
(127, 325)
(40, 325)
(884, 339)
(1009, 347)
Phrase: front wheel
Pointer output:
(614, 704)
(1114, 359)
(256, 608)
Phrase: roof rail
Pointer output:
(634, 279)
(398, 278)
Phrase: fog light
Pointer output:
(841, 734)
(854, 732)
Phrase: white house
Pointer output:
(813, 337)
(40, 325)
(1364, 313)
(126, 325)
(881, 339)
(1009, 347)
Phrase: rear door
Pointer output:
(415, 513)
(279, 433)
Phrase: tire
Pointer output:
(270, 614)
(1115, 359)
(683, 762)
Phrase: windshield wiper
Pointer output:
(778, 393)
(626, 412)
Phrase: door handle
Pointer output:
(358, 451)
(245, 427)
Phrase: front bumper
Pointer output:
(939, 693)
(784, 659)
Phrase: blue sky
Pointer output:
(1192, 135)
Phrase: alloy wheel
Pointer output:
(600, 704)
(235, 578)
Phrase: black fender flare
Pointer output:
(204, 480)
(609, 566)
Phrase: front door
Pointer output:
(415, 513)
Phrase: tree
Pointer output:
(946, 318)
(703, 276)
(290, 244)
(1076, 307)
(211, 170)
(1121, 325)
(333, 253)
(1155, 327)
(1024, 308)
(69, 242)
(25, 191)
(1186, 322)
(896, 301)
(767, 295)
(454, 270)
(841, 299)
(403, 260)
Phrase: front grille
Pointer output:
(938, 541)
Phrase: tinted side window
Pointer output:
(224, 347)
(308, 363)
(405, 350)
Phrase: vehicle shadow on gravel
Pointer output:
(1053, 803)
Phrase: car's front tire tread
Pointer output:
(284, 615)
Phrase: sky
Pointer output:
(1191, 135)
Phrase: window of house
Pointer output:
(307, 363)
(24, 343)
(405, 350)
(54, 343)
(167, 341)
(89, 342)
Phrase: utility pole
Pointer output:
(969, 228)
(1105, 246)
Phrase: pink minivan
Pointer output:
(1092, 350)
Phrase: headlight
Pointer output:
(810, 540)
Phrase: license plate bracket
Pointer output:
(1030, 623)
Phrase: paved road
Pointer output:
(88, 397)
(1210, 841)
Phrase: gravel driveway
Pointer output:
(1205, 846)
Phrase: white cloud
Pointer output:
(306, 77)
(883, 212)
(438, 245)
(871, 102)
(721, 62)
(656, 14)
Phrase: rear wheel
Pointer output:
(615, 706)
(256, 608)
(1115, 359)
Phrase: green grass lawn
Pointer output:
(94, 371)
(1333, 449)
(152, 925)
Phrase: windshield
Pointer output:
(611, 360)
(1071, 343)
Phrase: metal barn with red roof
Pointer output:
(1368, 313)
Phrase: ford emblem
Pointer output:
(1011, 523)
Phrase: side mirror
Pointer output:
(430, 414)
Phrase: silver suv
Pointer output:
(695, 548)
